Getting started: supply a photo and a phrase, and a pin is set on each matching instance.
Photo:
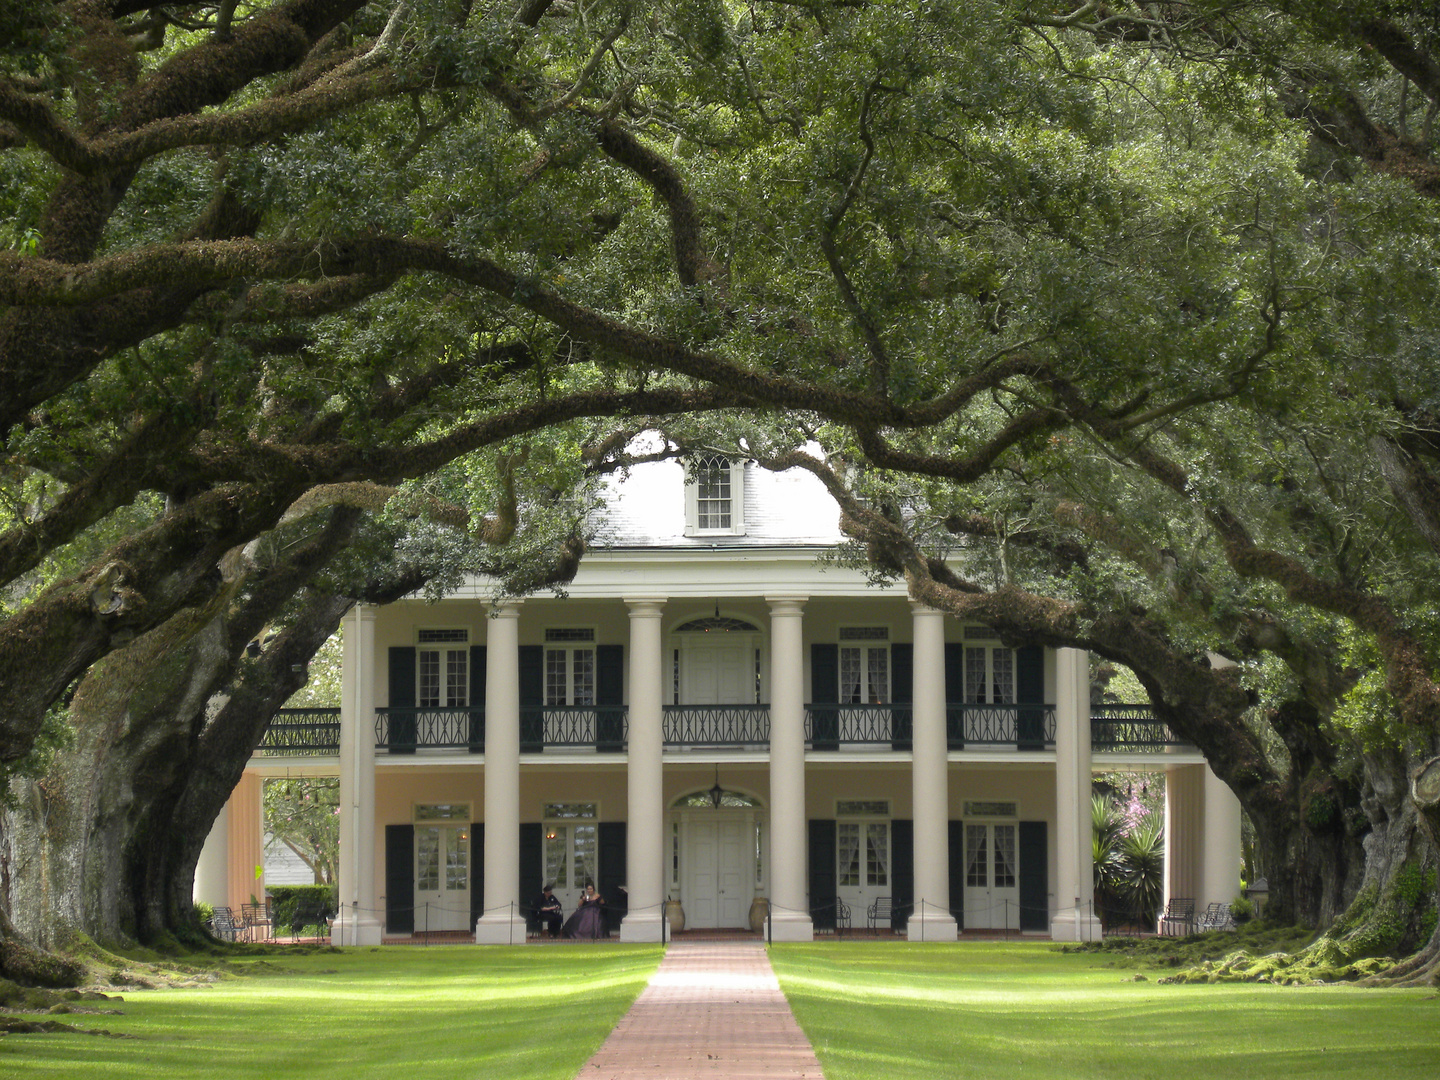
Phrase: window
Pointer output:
(989, 675)
(715, 496)
(864, 668)
(571, 844)
(443, 673)
(569, 669)
(863, 853)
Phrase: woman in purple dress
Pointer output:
(588, 920)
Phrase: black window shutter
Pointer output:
(1030, 697)
(400, 878)
(477, 872)
(1032, 852)
(955, 694)
(957, 873)
(822, 873)
(477, 699)
(824, 696)
(532, 698)
(902, 872)
(609, 698)
(613, 852)
(532, 866)
(401, 738)
(902, 685)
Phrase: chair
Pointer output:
(256, 920)
(1179, 917)
(842, 917)
(880, 911)
(1216, 917)
(224, 925)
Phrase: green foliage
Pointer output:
(303, 814)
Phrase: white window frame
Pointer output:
(737, 499)
(867, 641)
(451, 656)
(579, 655)
(990, 692)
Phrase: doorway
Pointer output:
(992, 890)
(442, 877)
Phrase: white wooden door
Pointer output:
(442, 877)
(718, 889)
(719, 673)
(992, 891)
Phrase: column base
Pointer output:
(932, 925)
(642, 926)
(1075, 926)
(791, 926)
(502, 928)
(367, 930)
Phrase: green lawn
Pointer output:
(399, 1013)
(1027, 1011)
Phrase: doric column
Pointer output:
(500, 922)
(789, 914)
(1074, 918)
(1220, 877)
(212, 871)
(645, 832)
(929, 775)
(1184, 830)
(358, 921)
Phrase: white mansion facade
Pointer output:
(710, 715)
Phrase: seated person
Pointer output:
(549, 911)
(588, 921)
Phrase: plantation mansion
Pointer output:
(716, 719)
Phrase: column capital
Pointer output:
(787, 605)
(505, 609)
(645, 606)
(919, 608)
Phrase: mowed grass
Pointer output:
(1001, 1011)
(400, 1013)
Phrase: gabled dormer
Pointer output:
(714, 496)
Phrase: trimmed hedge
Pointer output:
(299, 906)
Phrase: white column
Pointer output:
(930, 781)
(500, 922)
(1074, 918)
(1220, 871)
(645, 832)
(790, 915)
(359, 920)
(212, 871)
(1184, 831)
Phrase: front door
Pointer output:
(718, 889)
(992, 893)
(862, 865)
(442, 877)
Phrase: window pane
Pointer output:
(877, 853)
(976, 856)
(1004, 856)
(847, 835)
(712, 496)
(1003, 661)
(975, 676)
(582, 663)
(879, 673)
(457, 859)
(851, 677)
(557, 863)
(457, 663)
(427, 859)
(584, 866)
(429, 694)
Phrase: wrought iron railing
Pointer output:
(301, 731)
(405, 730)
(717, 725)
(1132, 728)
(828, 727)
(1025, 727)
(600, 726)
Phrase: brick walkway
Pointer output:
(712, 1009)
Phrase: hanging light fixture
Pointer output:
(717, 792)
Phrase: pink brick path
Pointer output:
(712, 1009)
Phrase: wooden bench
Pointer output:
(1179, 917)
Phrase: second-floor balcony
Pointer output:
(828, 727)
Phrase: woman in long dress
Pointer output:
(588, 920)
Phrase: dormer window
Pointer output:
(715, 497)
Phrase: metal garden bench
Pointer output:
(1179, 917)
(880, 912)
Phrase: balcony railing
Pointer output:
(717, 725)
(1130, 728)
(301, 731)
(405, 730)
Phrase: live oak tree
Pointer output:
(270, 261)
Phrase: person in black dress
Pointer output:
(588, 921)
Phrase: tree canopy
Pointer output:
(1115, 322)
